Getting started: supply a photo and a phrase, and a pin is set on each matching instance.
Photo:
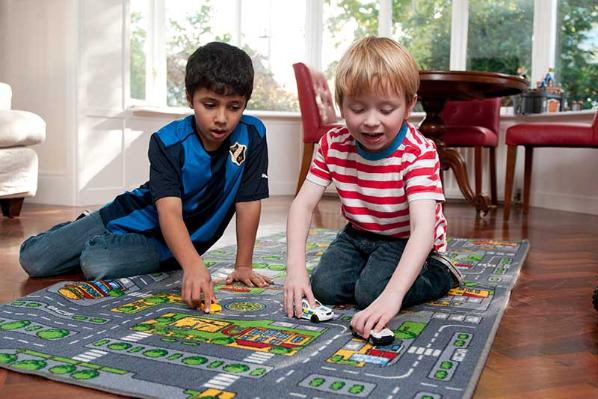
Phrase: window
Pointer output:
(424, 27)
(272, 33)
(496, 36)
(137, 45)
(500, 36)
(188, 24)
(344, 22)
(576, 64)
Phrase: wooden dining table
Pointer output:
(438, 87)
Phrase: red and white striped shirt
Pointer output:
(375, 188)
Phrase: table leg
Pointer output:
(450, 158)
(433, 127)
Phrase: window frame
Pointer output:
(543, 45)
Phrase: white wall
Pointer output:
(65, 60)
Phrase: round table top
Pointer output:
(468, 85)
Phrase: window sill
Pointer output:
(179, 112)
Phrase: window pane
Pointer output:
(577, 52)
(424, 27)
(273, 34)
(345, 22)
(500, 35)
(190, 24)
(137, 43)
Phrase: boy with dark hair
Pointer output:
(203, 169)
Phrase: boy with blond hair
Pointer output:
(387, 177)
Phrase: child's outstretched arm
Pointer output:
(196, 277)
(296, 285)
(248, 217)
(421, 241)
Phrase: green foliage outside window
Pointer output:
(137, 57)
(500, 35)
(424, 27)
(577, 61)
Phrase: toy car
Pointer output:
(381, 338)
(317, 314)
(214, 307)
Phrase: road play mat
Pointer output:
(135, 337)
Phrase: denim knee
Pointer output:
(365, 294)
(34, 260)
(93, 259)
(322, 289)
(109, 255)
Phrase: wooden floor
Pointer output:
(546, 345)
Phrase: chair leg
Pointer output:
(493, 196)
(308, 150)
(510, 174)
(527, 177)
(478, 170)
(11, 207)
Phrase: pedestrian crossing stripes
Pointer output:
(139, 294)
(136, 336)
(90, 355)
(258, 357)
(221, 381)
(424, 351)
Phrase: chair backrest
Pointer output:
(485, 113)
(315, 101)
(595, 128)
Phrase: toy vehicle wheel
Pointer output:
(314, 319)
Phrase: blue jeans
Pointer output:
(86, 243)
(357, 266)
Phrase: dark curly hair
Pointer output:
(219, 67)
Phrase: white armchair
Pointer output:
(18, 163)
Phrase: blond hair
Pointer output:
(373, 65)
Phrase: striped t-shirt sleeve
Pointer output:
(319, 173)
(422, 174)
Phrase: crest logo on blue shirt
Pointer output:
(237, 153)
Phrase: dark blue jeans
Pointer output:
(357, 266)
(86, 243)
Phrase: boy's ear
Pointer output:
(189, 99)
(411, 106)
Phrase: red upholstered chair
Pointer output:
(317, 112)
(474, 124)
(542, 134)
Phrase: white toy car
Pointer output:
(382, 338)
(317, 314)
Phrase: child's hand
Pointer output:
(247, 276)
(197, 281)
(297, 287)
(378, 314)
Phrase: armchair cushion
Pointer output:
(21, 128)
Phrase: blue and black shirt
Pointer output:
(208, 183)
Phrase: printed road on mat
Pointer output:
(134, 335)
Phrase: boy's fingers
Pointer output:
(380, 325)
(289, 303)
(369, 325)
(196, 296)
(298, 305)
